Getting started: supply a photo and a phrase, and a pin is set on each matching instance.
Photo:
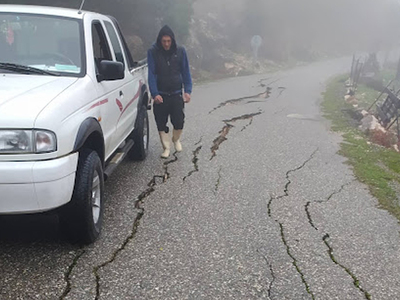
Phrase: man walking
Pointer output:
(169, 74)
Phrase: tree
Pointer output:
(137, 17)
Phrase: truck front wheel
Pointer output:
(81, 219)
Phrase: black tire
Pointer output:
(140, 137)
(82, 218)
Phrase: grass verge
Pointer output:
(374, 165)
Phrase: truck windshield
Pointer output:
(42, 42)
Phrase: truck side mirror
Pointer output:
(110, 70)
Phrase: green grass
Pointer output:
(333, 105)
(387, 75)
(374, 165)
(367, 96)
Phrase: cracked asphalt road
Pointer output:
(275, 214)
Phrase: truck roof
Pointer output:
(44, 10)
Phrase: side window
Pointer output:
(101, 48)
(115, 42)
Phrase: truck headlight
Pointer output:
(27, 141)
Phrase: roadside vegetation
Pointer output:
(218, 34)
(373, 162)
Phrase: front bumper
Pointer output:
(36, 186)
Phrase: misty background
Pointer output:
(217, 33)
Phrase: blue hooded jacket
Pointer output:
(185, 76)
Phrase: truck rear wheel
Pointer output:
(141, 137)
(82, 218)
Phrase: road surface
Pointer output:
(259, 205)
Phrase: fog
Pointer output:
(298, 29)
(216, 31)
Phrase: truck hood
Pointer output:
(23, 97)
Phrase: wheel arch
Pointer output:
(90, 135)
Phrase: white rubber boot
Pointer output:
(165, 141)
(176, 139)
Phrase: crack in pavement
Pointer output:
(243, 117)
(263, 95)
(286, 190)
(356, 282)
(337, 192)
(199, 142)
(295, 263)
(309, 215)
(324, 201)
(245, 127)
(220, 139)
(326, 237)
(261, 82)
(67, 275)
(254, 101)
(271, 198)
(218, 181)
(166, 164)
(281, 90)
(138, 205)
(225, 131)
(194, 161)
(286, 194)
(269, 91)
(272, 273)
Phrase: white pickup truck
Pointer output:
(73, 103)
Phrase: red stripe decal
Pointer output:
(133, 100)
(98, 104)
(120, 106)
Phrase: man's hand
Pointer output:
(158, 99)
(186, 98)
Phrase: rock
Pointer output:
(364, 113)
(370, 123)
(229, 66)
(354, 114)
(351, 99)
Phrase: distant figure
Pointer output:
(256, 42)
(169, 74)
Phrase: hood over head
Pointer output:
(166, 30)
